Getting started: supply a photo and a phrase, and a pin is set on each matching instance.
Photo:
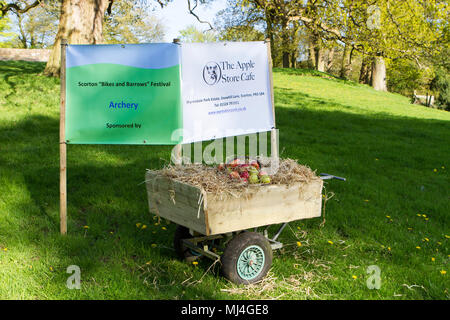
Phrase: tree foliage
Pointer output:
(130, 22)
(192, 34)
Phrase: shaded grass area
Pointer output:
(394, 155)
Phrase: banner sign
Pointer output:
(226, 90)
(123, 94)
(166, 93)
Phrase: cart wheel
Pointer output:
(181, 250)
(247, 258)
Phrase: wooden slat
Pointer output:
(175, 201)
(270, 205)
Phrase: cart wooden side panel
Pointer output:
(271, 204)
(175, 201)
(216, 214)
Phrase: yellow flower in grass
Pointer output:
(418, 248)
(354, 277)
(389, 248)
(410, 229)
(424, 215)
(435, 170)
(51, 269)
(5, 249)
(433, 259)
(86, 227)
(448, 237)
(299, 244)
(144, 226)
(330, 242)
(164, 228)
(443, 272)
(426, 239)
(388, 217)
(194, 263)
(138, 225)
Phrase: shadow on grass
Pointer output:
(386, 159)
(9, 69)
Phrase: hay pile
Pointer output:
(290, 172)
(210, 179)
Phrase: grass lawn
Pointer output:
(393, 211)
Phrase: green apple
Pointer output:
(265, 179)
(253, 178)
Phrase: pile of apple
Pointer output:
(248, 171)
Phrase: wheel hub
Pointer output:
(250, 262)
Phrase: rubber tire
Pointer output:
(234, 249)
(181, 250)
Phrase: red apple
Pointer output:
(234, 163)
(263, 173)
(234, 175)
(255, 164)
(244, 175)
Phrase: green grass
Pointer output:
(386, 148)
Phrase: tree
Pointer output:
(80, 22)
(17, 6)
(241, 33)
(36, 28)
(236, 23)
(192, 34)
(5, 28)
(129, 23)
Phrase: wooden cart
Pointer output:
(210, 224)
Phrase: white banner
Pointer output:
(225, 90)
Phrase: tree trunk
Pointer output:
(80, 22)
(285, 59)
(330, 59)
(320, 59)
(285, 42)
(365, 73)
(312, 56)
(346, 66)
(316, 52)
(22, 36)
(379, 74)
(270, 35)
(294, 59)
